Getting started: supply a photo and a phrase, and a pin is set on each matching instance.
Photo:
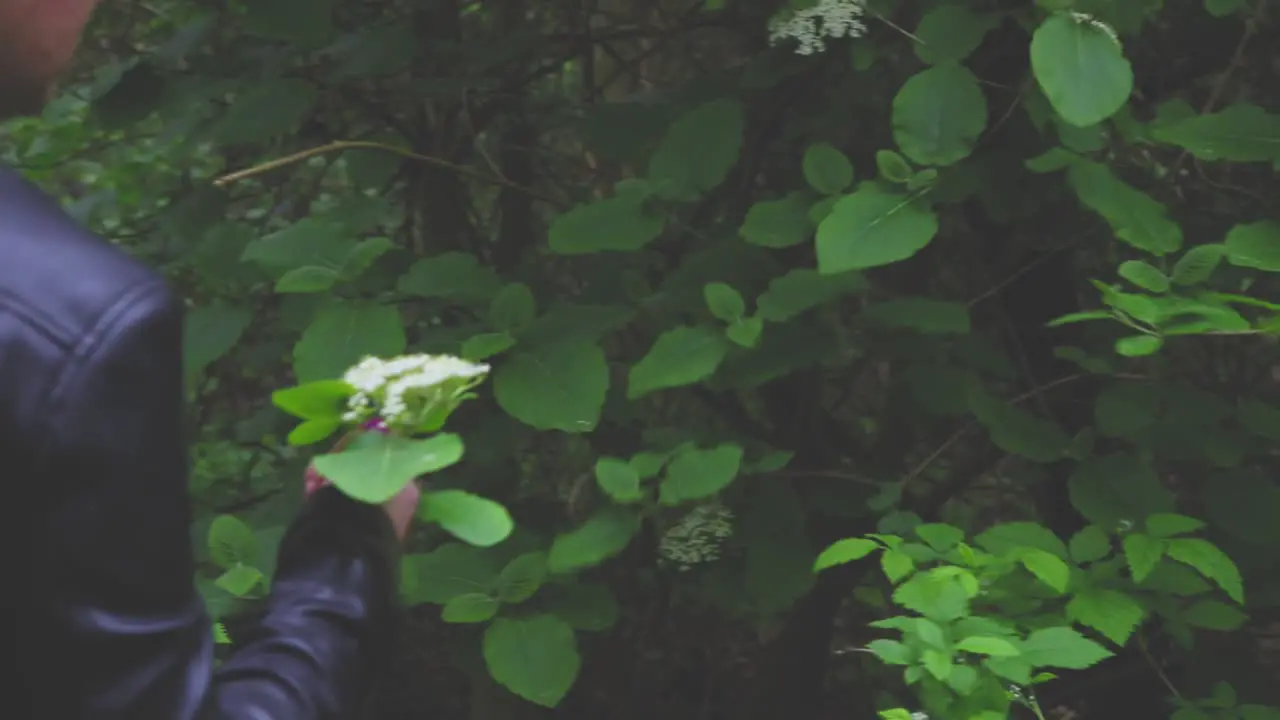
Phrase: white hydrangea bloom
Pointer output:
(405, 390)
(812, 26)
(698, 537)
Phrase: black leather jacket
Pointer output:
(101, 594)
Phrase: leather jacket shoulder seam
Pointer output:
(81, 355)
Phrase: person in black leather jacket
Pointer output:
(102, 606)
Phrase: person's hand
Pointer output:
(400, 509)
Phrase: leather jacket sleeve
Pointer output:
(127, 632)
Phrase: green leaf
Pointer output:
(560, 386)
(375, 470)
(232, 542)
(602, 536)
(938, 115)
(617, 224)
(451, 275)
(1062, 647)
(340, 335)
(240, 580)
(470, 518)
(1112, 613)
(1110, 490)
(1197, 264)
(308, 279)
(1136, 218)
(778, 223)
(313, 431)
(267, 109)
(470, 608)
(943, 598)
(724, 302)
(896, 565)
(209, 332)
(362, 257)
(319, 400)
(1138, 345)
(844, 551)
(680, 356)
(893, 167)
(512, 309)
(698, 150)
(1009, 538)
(1210, 562)
(585, 606)
(920, 314)
(450, 570)
(618, 479)
(1144, 275)
(950, 33)
(1081, 68)
(939, 536)
(1047, 567)
(1089, 545)
(872, 228)
(992, 646)
(1223, 8)
(1163, 525)
(522, 577)
(1213, 615)
(1255, 245)
(695, 474)
(534, 657)
(1017, 431)
(486, 345)
(890, 652)
(826, 169)
(1237, 133)
(1142, 552)
(801, 289)
(745, 331)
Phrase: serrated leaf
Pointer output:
(1062, 647)
(1112, 613)
(1089, 545)
(1046, 566)
(1197, 264)
(1142, 553)
(1213, 615)
(1163, 525)
(1209, 561)
(992, 646)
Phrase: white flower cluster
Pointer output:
(406, 390)
(698, 537)
(812, 26)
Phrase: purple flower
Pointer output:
(376, 425)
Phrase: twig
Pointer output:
(341, 145)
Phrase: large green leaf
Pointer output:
(602, 536)
(698, 150)
(618, 224)
(450, 570)
(342, 334)
(1237, 133)
(777, 223)
(1081, 68)
(534, 657)
(871, 228)
(1062, 647)
(377, 468)
(939, 114)
(210, 331)
(681, 356)
(803, 288)
(232, 542)
(695, 474)
(451, 275)
(949, 33)
(826, 169)
(1135, 217)
(1254, 245)
(470, 518)
(560, 386)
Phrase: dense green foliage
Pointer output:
(926, 367)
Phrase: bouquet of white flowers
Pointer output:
(396, 408)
